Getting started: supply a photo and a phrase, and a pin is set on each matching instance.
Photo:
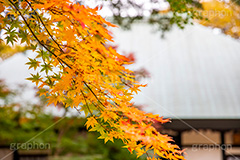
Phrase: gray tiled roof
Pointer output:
(194, 72)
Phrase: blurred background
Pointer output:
(193, 76)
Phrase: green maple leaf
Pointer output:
(33, 63)
(35, 78)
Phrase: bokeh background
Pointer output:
(193, 76)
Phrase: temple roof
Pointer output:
(195, 73)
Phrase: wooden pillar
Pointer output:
(15, 155)
(179, 139)
(223, 146)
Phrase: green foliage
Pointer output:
(179, 13)
(20, 123)
(11, 35)
(66, 137)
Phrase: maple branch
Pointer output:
(91, 112)
(34, 35)
(52, 46)
(68, 47)
(93, 93)
(46, 70)
(99, 99)
(59, 59)
(45, 26)
(87, 103)
(104, 94)
(97, 106)
(78, 110)
(63, 52)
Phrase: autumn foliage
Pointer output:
(76, 68)
(223, 15)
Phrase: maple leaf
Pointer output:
(53, 99)
(33, 63)
(106, 137)
(35, 78)
(2, 8)
(91, 122)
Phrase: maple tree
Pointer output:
(223, 15)
(163, 15)
(77, 68)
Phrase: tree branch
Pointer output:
(34, 35)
